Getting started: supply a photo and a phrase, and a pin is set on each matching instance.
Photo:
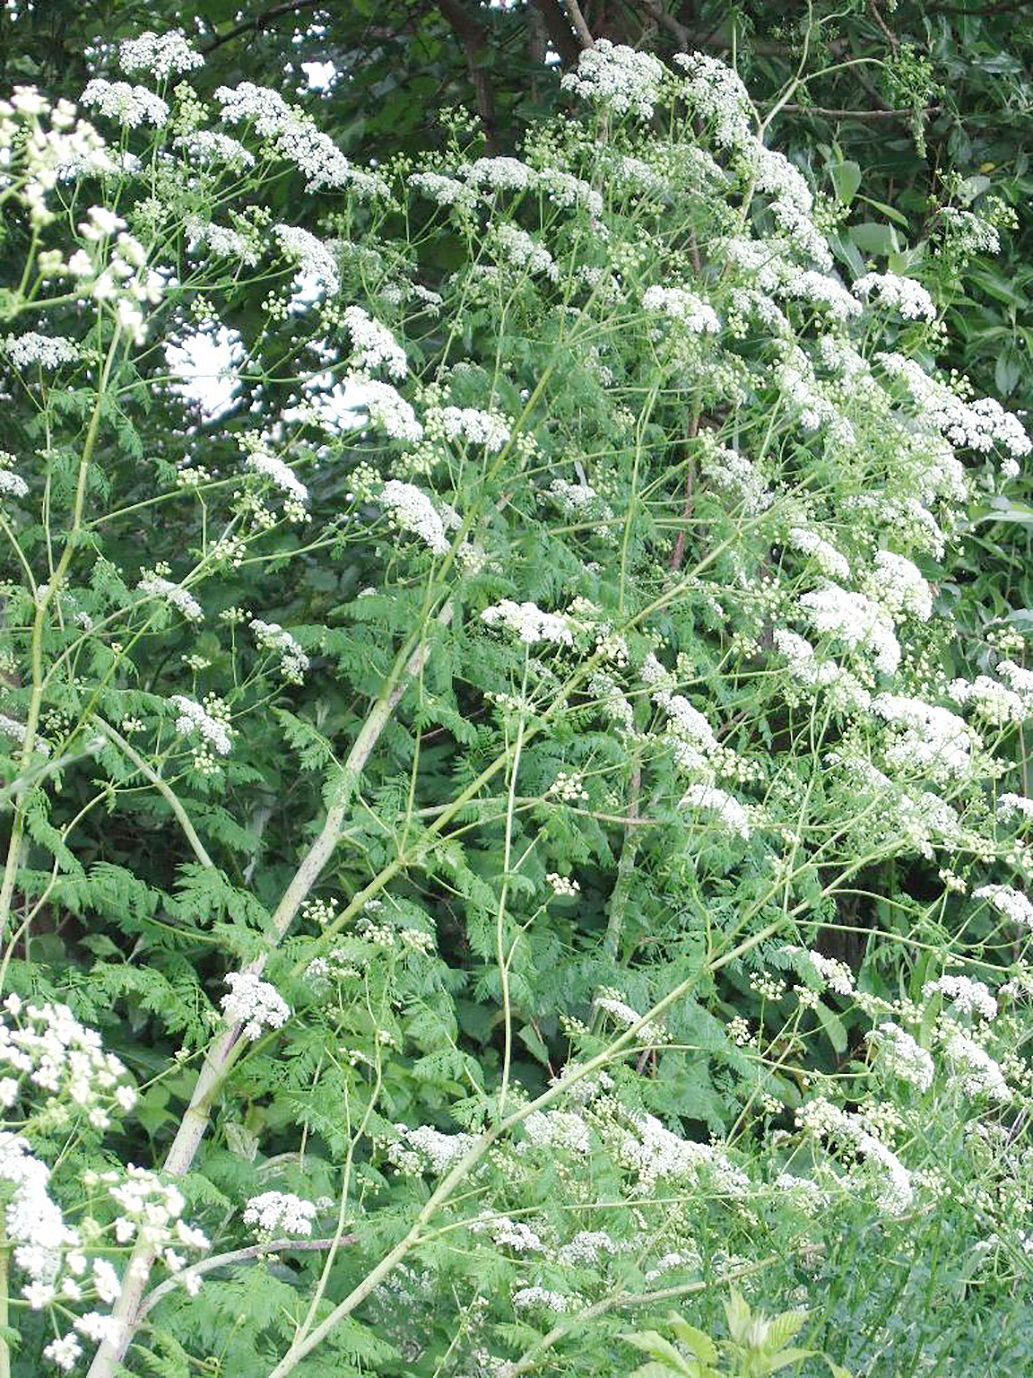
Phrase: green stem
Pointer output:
(163, 788)
(44, 596)
(5, 1349)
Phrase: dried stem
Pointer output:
(250, 1254)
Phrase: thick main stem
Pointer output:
(223, 1051)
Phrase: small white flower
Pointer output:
(528, 622)
(129, 105)
(254, 1003)
(277, 1212)
(64, 1352)
(161, 55)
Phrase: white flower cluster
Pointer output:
(823, 291)
(967, 233)
(446, 191)
(758, 260)
(717, 97)
(801, 235)
(695, 744)
(413, 511)
(424, 1148)
(898, 584)
(980, 1074)
(529, 623)
(1020, 680)
(296, 139)
(966, 996)
(610, 1002)
(545, 1298)
(822, 1118)
(732, 473)
(15, 730)
(12, 485)
(476, 427)
(557, 1128)
(908, 298)
(502, 174)
(152, 1212)
(991, 700)
(1012, 903)
(270, 636)
(855, 621)
(47, 1045)
(276, 1213)
(618, 78)
(1008, 805)
(254, 1003)
(510, 1234)
(282, 476)
(68, 147)
(385, 407)
(926, 738)
(208, 148)
(155, 586)
(224, 243)
(796, 379)
(373, 344)
(195, 718)
(33, 1223)
(129, 105)
(730, 812)
(564, 189)
(120, 276)
(159, 54)
(825, 555)
(833, 973)
(519, 250)
(775, 176)
(978, 425)
(902, 1056)
(48, 351)
(586, 1247)
(657, 1154)
(687, 308)
(579, 500)
(846, 692)
(317, 269)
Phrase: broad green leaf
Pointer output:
(701, 1345)
(873, 238)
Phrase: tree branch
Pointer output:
(474, 39)
(577, 19)
(253, 25)
(560, 34)
(890, 36)
(659, 15)
(253, 1251)
(907, 113)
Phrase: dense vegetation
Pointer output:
(513, 684)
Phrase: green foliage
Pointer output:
(756, 1346)
(523, 767)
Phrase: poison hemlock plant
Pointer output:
(499, 832)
